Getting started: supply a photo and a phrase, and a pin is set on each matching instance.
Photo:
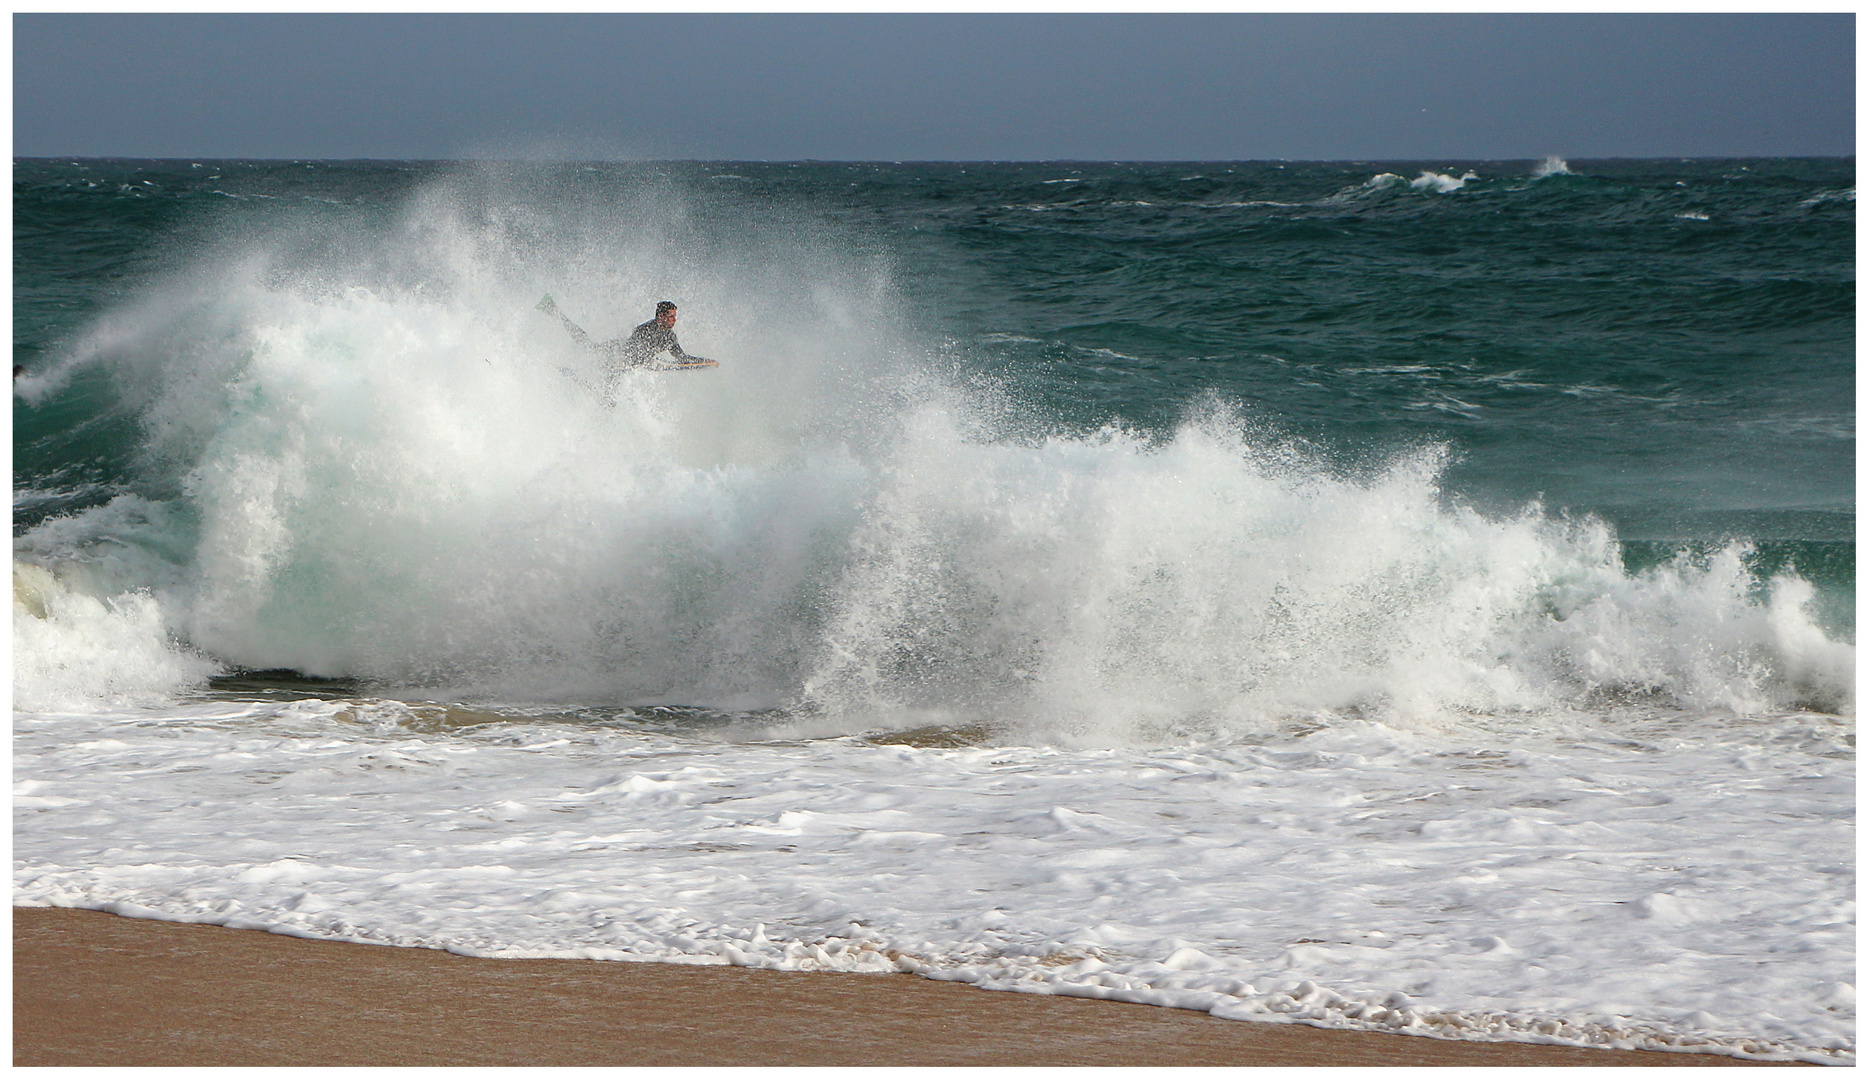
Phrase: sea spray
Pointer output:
(359, 459)
(366, 449)
(371, 507)
(1106, 584)
(1552, 165)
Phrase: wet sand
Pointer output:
(95, 989)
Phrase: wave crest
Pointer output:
(1552, 165)
(363, 462)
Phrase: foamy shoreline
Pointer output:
(97, 989)
(1354, 878)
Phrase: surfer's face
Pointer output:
(666, 318)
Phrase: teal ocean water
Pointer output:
(1393, 595)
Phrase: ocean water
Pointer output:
(1397, 596)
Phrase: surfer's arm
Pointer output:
(686, 359)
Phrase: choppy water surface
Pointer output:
(1413, 596)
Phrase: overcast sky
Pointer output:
(933, 87)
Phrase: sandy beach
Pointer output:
(91, 988)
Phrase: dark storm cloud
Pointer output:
(933, 86)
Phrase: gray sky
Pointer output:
(933, 87)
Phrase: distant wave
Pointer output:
(1429, 180)
(1441, 182)
(1845, 195)
(1551, 166)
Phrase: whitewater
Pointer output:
(850, 656)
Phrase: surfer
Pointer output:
(642, 347)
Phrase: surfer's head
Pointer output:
(665, 313)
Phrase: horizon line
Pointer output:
(1363, 160)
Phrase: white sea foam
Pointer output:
(72, 650)
(1678, 884)
(90, 623)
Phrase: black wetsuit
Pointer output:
(645, 343)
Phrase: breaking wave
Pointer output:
(358, 458)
